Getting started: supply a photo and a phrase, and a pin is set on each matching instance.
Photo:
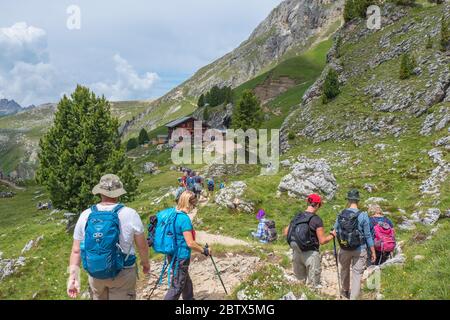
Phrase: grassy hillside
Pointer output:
(304, 69)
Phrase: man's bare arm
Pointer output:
(142, 246)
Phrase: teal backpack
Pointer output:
(165, 240)
(101, 253)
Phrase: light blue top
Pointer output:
(183, 224)
(364, 229)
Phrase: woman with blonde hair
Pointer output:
(383, 233)
(181, 285)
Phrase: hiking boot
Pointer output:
(346, 294)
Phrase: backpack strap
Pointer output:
(117, 208)
(174, 258)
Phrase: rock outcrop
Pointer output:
(380, 91)
(309, 176)
(232, 197)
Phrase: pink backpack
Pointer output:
(384, 237)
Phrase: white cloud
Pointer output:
(28, 76)
(21, 42)
(129, 84)
(25, 72)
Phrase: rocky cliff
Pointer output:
(374, 102)
(290, 29)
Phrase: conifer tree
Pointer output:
(429, 44)
(82, 145)
(201, 101)
(445, 34)
(132, 144)
(143, 137)
(404, 2)
(248, 113)
(356, 8)
(330, 86)
(205, 114)
(407, 65)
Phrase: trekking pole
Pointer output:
(337, 267)
(157, 282)
(217, 271)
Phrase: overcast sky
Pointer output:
(134, 49)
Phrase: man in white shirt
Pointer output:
(123, 285)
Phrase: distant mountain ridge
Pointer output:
(8, 107)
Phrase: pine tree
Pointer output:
(330, 86)
(208, 98)
(228, 96)
(349, 10)
(81, 146)
(445, 34)
(132, 144)
(205, 113)
(248, 113)
(201, 101)
(143, 137)
(214, 96)
(339, 46)
(404, 72)
(429, 44)
(356, 8)
(404, 2)
(407, 65)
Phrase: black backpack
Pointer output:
(348, 235)
(300, 232)
(270, 232)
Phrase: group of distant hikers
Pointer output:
(194, 182)
(106, 234)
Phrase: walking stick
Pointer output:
(217, 271)
(337, 267)
(157, 281)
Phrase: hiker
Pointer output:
(198, 186)
(179, 191)
(183, 179)
(383, 234)
(266, 231)
(210, 183)
(180, 281)
(305, 234)
(352, 229)
(112, 227)
(190, 181)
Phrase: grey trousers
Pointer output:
(181, 281)
(357, 261)
(306, 265)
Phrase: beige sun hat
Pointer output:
(110, 186)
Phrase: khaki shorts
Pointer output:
(122, 287)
